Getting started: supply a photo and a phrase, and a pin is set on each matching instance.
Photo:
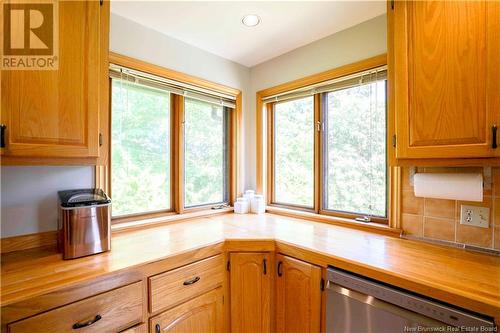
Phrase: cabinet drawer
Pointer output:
(204, 313)
(178, 285)
(111, 311)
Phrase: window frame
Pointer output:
(109, 190)
(271, 199)
(234, 122)
(265, 137)
(226, 156)
(323, 188)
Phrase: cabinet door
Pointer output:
(250, 285)
(201, 314)
(298, 296)
(445, 67)
(494, 65)
(54, 113)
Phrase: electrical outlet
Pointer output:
(475, 216)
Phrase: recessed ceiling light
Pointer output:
(250, 20)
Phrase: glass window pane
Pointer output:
(205, 161)
(140, 152)
(294, 152)
(356, 149)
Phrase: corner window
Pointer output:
(327, 147)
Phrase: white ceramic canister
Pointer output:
(258, 205)
(241, 206)
(249, 195)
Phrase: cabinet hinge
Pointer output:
(322, 284)
(100, 139)
(392, 4)
(394, 140)
(228, 266)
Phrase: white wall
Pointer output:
(137, 41)
(356, 43)
(29, 196)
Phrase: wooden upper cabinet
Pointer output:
(298, 296)
(250, 292)
(201, 314)
(55, 113)
(445, 67)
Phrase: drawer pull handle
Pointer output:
(191, 281)
(157, 328)
(87, 323)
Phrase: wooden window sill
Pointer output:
(345, 222)
(168, 218)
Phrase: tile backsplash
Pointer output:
(439, 219)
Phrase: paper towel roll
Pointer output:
(454, 186)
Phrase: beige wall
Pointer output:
(362, 41)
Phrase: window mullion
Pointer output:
(178, 154)
(317, 152)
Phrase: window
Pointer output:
(327, 147)
(294, 152)
(140, 151)
(172, 144)
(205, 153)
(355, 150)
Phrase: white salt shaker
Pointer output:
(258, 205)
(241, 206)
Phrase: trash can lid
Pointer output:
(83, 197)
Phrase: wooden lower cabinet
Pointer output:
(109, 312)
(204, 313)
(250, 287)
(142, 328)
(298, 296)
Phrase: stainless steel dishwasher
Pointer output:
(355, 304)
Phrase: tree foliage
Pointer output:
(204, 153)
(140, 152)
(294, 152)
(356, 149)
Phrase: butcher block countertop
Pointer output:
(463, 278)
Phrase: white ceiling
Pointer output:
(216, 26)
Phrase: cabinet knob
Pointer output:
(157, 328)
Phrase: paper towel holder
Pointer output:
(486, 176)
